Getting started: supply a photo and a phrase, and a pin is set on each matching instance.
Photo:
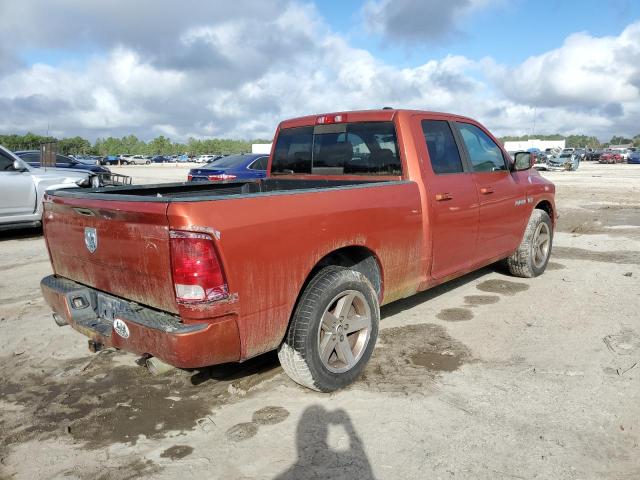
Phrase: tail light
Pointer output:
(221, 176)
(189, 177)
(197, 271)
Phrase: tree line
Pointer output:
(577, 141)
(129, 144)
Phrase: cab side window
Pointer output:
(484, 154)
(443, 151)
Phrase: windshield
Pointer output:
(230, 161)
(363, 148)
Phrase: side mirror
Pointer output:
(18, 167)
(523, 161)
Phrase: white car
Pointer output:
(624, 152)
(22, 188)
(135, 160)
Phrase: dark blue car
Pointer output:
(32, 157)
(233, 167)
(634, 157)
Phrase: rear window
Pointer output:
(229, 161)
(363, 148)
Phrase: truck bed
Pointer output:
(131, 229)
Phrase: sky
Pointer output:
(204, 69)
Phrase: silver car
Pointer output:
(22, 188)
(564, 161)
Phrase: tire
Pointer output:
(532, 256)
(351, 297)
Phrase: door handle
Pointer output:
(441, 197)
(486, 190)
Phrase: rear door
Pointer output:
(453, 225)
(502, 196)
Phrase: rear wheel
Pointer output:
(532, 256)
(333, 330)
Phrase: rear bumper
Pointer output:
(92, 313)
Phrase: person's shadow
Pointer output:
(316, 459)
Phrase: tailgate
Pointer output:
(130, 243)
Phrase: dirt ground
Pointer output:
(487, 377)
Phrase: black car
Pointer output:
(160, 159)
(32, 157)
(594, 155)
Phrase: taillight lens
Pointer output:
(222, 176)
(197, 272)
(330, 119)
(189, 177)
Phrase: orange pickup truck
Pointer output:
(359, 209)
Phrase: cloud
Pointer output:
(236, 71)
(424, 21)
(584, 72)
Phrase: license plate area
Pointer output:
(108, 308)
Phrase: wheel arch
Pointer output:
(355, 257)
(547, 206)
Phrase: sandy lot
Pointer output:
(487, 377)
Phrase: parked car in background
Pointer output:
(183, 158)
(611, 156)
(110, 160)
(87, 159)
(135, 160)
(634, 157)
(623, 152)
(580, 153)
(564, 161)
(594, 155)
(206, 158)
(32, 157)
(160, 159)
(22, 188)
(234, 167)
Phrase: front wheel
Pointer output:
(333, 330)
(532, 256)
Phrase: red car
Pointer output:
(610, 157)
(359, 209)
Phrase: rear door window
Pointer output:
(484, 153)
(259, 164)
(359, 148)
(442, 148)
